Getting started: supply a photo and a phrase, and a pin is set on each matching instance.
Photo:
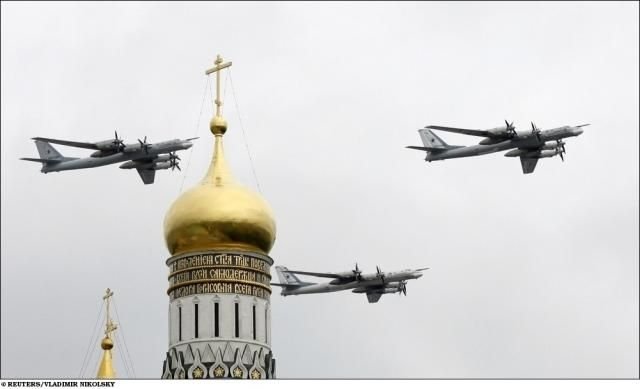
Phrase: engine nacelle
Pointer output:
(498, 130)
(147, 165)
(516, 153)
(533, 154)
(551, 145)
(161, 165)
(107, 145)
(548, 153)
(136, 165)
(386, 290)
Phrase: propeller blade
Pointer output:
(561, 157)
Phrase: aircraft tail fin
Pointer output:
(288, 281)
(432, 143)
(48, 154)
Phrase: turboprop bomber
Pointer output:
(530, 147)
(145, 157)
(373, 284)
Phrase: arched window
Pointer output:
(179, 324)
(254, 322)
(266, 323)
(237, 319)
(195, 316)
(216, 318)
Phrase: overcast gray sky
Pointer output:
(531, 275)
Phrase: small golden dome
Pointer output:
(219, 213)
(107, 344)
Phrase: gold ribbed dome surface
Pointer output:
(219, 213)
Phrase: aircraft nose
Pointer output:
(418, 274)
(187, 144)
(578, 131)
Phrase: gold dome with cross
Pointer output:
(219, 213)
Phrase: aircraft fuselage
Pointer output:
(528, 141)
(367, 280)
(139, 153)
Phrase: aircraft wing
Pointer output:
(147, 175)
(528, 164)
(83, 145)
(373, 296)
(463, 131)
(308, 273)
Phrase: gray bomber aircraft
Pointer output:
(145, 157)
(374, 284)
(529, 147)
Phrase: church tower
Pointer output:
(219, 235)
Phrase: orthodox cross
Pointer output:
(216, 69)
(110, 325)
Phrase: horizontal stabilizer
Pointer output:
(288, 286)
(428, 149)
(48, 161)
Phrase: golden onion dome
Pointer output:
(219, 213)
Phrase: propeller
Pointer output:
(357, 272)
(402, 287)
(144, 145)
(173, 160)
(118, 144)
(380, 274)
(511, 129)
(561, 145)
(535, 130)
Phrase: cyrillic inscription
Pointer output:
(219, 273)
